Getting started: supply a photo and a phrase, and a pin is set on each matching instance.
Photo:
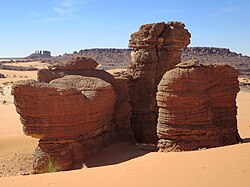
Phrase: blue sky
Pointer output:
(68, 25)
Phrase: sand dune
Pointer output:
(243, 117)
(225, 166)
(36, 64)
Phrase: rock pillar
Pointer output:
(156, 49)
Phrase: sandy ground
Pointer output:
(114, 71)
(123, 164)
(36, 64)
(9, 119)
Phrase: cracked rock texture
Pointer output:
(197, 107)
(156, 49)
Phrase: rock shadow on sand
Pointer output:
(118, 153)
(246, 140)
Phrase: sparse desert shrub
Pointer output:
(52, 166)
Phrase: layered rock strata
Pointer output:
(86, 67)
(156, 49)
(72, 116)
(197, 107)
(75, 110)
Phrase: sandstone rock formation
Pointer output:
(69, 115)
(122, 110)
(156, 49)
(40, 55)
(197, 107)
(86, 67)
(74, 63)
(75, 110)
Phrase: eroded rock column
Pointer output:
(197, 107)
(156, 49)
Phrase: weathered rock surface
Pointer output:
(156, 49)
(197, 107)
(67, 114)
(74, 63)
(122, 110)
(75, 110)
(47, 75)
(53, 155)
(66, 107)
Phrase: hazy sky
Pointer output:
(68, 25)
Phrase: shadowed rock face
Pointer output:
(197, 107)
(156, 49)
(69, 115)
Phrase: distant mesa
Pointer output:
(40, 55)
(120, 58)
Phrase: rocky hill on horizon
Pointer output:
(120, 58)
(209, 55)
(112, 58)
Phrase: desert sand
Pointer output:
(123, 164)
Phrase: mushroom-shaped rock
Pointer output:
(72, 116)
(197, 107)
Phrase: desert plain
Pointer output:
(122, 164)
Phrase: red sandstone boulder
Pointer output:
(68, 107)
(197, 107)
(122, 109)
(72, 116)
